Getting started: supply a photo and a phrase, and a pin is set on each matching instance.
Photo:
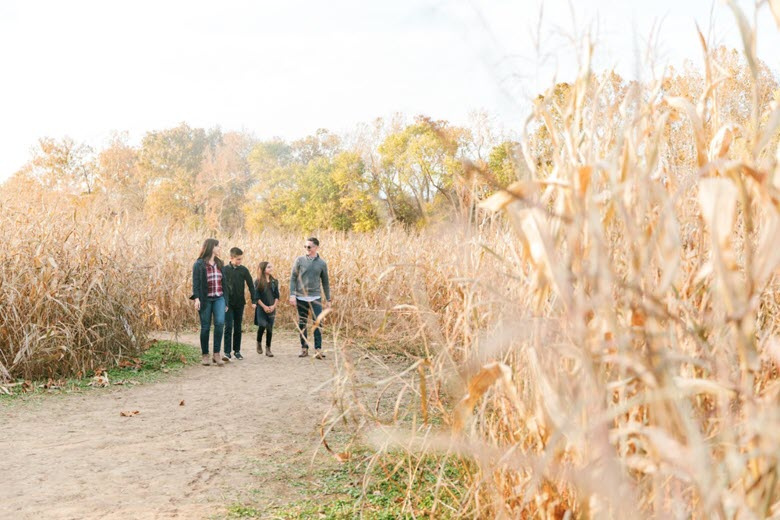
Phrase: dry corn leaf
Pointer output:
(584, 174)
(718, 202)
(668, 448)
(695, 385)
(498, 201)
(537, 239)
(774, 6)
(767, 256)
(638, 318)
(489, 375)
(720, 144)
(502, 198)
(684, 105)
(322, 317)
(748, 37)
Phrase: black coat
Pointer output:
(237, 277)
(200, 285)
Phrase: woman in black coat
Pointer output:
(267, 288)
(210, 296)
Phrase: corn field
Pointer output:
(597, 339)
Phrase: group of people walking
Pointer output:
(218, 294)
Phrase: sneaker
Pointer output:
(226, 357)
(239, 356)
(319, 355)
(304, 353)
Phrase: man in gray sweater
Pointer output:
(308, 272)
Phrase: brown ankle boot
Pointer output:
(217, 359)
(268, 351)
(259, 348)
(204, 360)
(304, 352)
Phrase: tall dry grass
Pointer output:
(606, 347)
(612, 352)
(82, 284)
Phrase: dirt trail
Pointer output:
(74, 457)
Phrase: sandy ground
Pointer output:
(73, 456)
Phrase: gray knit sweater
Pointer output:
(307, 273)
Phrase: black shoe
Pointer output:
(226, 356)
(238, 355)
(319, 355)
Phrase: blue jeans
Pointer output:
(233, 319)
(303, 319)
(211, 307)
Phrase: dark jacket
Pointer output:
(270, 292)
(236, 278)
(200, 285)
(268, 295)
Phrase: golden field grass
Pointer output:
(597, 340)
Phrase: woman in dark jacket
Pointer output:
(210, 296)
(267, 289)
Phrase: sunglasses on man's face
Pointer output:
(309, 247)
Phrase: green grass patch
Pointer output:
(388, 487)
(161, 358)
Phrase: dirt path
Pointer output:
(74, 457)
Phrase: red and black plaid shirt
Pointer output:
(214, 280)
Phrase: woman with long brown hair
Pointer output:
(267, 289)
(210, 296)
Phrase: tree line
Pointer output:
(386, 172)
(390, 171)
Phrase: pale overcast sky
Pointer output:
(285, 68)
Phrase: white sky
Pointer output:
(287, 67)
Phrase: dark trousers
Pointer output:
(209, 308)
(303, 318)
(233, 318)
(268, 331)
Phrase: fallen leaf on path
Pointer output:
(181, 403)
(183, 359)
(134, 363)
(129, 414)
(100, 379)
(343, 457)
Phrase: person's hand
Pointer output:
(328, 304)
(291, 301)
(197, 304)
(254, 306)
(272, 308)
(227, 308)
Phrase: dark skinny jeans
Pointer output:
(216, 308)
